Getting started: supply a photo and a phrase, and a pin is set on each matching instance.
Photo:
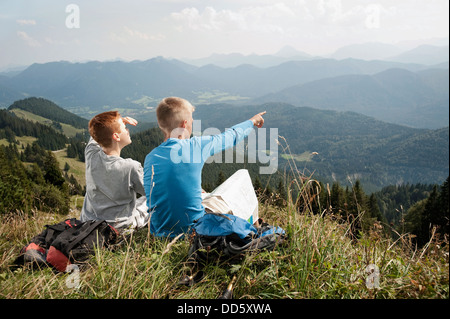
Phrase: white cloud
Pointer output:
(255, 18)
(322, 25)
(26, 22)
(133, 34)
(287, 18)
(195, 28)
(29, 40)
(137, 34)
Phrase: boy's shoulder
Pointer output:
(127, 164)
(175, 142)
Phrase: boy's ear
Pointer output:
(116, 137)
(183, 124)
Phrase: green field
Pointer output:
(67, 129)
(77, 168)
(23, 141)
(303, 157)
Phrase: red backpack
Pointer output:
(68, 242)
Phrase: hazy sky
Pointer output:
(50, 30)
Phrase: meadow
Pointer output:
(318, 260)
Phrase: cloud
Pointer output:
(28, 40)
(137, 34)
(286, 17)
(132, 34)
(318, 26)
(26, 22)
(254, 18)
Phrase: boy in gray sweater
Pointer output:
(114, 185)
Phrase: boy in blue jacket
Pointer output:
(172, 171)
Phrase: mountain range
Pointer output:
(395, 95)
(398, 90)
(427, 54)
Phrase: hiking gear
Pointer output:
(35, 252)
(67, 242)
(214, 224)
(228, 236)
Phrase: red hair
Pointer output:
(103, 126)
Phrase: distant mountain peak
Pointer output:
(366, 51)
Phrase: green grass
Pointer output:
(304, 157)
(77, 168)
(23, 141)
(67, 129)
(317, 261)
(216, 96)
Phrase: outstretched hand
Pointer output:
(258, 120)
(129, 120)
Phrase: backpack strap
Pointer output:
(60, 227)
(83, 234)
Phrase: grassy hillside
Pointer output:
(347, 143)
(67, 129)
(49, 110)
(317, 261)
(23, 123)
(77, 168)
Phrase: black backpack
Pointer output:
(68, 242)
(232, 238)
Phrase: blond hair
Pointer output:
(171, 112)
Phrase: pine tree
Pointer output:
(66, 167)
(337, 198)
(442, 219)
(220, 179)
(374, 210)
(53, 174)
(15, 187)
(257, 185)
(428, 218)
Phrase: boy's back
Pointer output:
(112, 187)
(172, 178)
(172, 171)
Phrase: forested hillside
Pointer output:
(348, 144)
(49, 110)
(31, 180)
(12, 126)
(31, 177)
